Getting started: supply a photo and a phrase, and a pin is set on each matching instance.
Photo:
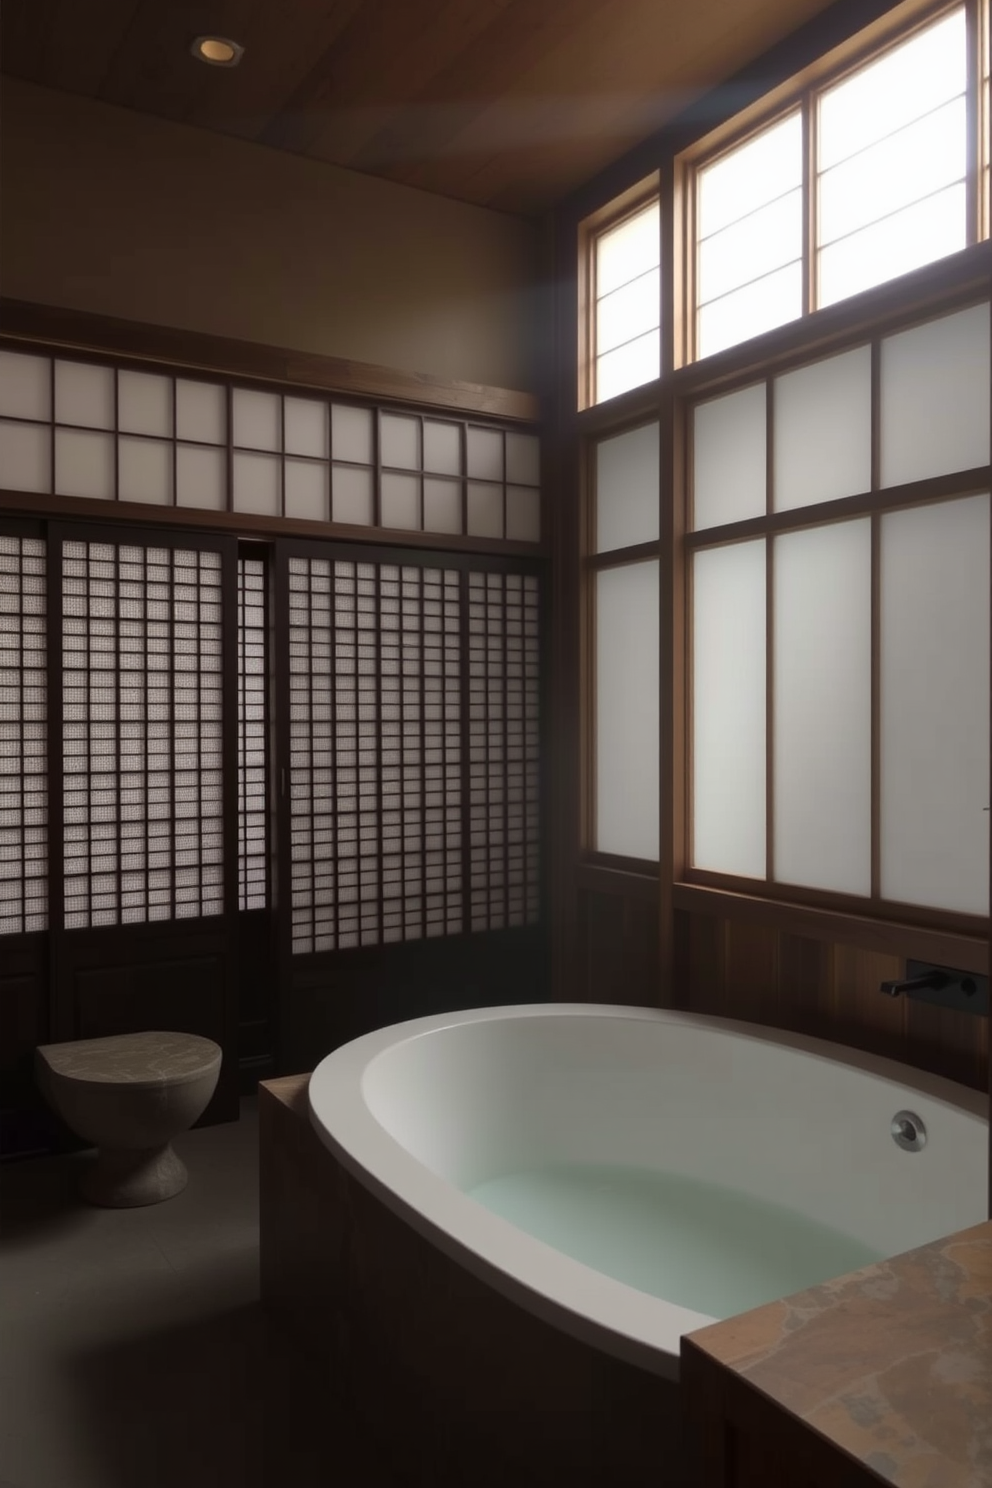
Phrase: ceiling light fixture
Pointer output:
(217, 50)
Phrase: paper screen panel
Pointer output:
(23, 737)
(504, 749)
(729, 441)
(822, 424)
(627, 494)
(376, 754)
(253, 855)
(935, 397)
(728, 690)
(627, 737)
(822, 747)
(935, 705)
(141, 735)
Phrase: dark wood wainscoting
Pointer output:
(339, 996)
(763, 974)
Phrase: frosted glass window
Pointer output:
(627, 251)
(400, 501)
(256, 484)
(307, 490)
(25, 457)
(892, 151)
(352, 499)
(485, 510)
(145, 471)
(917, 161)
(756, 307)
(257, 419)
(728, 703)
(399, 441)
(629, 366)
(144, 403)
(729, 441)
(627, 730)
(25, 386)
(523, 459)
(442, 448)
(628, 710)
(627, 475)
(746, 250)
(934, 698)
(201, 477)
(84, 395)
(935, 397)
(822, 754)
(201, 412)
(442, 506)
(351, 434)
(628, 304)
(485, 454)
(919, 234)
(523, 514)
(766, 167)
(306, 427)
(84, 464)
(750, 238)
(628, 312)
(823, 431)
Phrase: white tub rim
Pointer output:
(629, 1324)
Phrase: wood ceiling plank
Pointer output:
(390, 52)
(603, 87)
(281, 44)
(153, 69)
(447, 102)
(26, 30)
(63, 43)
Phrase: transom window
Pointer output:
(871, 171)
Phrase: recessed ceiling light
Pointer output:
(217, 50)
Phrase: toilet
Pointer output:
(129, 1095)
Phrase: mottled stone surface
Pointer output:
(891, 1364)
(133, 1058)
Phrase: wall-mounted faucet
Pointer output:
(934, 979)
(959, 991)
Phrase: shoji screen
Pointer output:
(413, 748)
(23, 735)
(253, 729)
(143, 715)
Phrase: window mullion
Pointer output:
(809, 112)
(973, 63)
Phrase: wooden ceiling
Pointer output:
(507, 103)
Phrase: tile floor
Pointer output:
(133, 1349)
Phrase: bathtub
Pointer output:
(416, 1115)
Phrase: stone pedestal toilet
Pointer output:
(129, 1095)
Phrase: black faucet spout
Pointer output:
(933, 979)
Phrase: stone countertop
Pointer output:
(892, 1364)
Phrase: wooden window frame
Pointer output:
(921, 294)
(644, 194)
(803, 92)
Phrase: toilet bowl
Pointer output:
(129, 1095)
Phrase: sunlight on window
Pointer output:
(749, 245)
(892, 154)
(628, 304)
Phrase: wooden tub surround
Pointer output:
(453, 1382)
(883, 1376)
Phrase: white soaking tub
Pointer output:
(629, 1175)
